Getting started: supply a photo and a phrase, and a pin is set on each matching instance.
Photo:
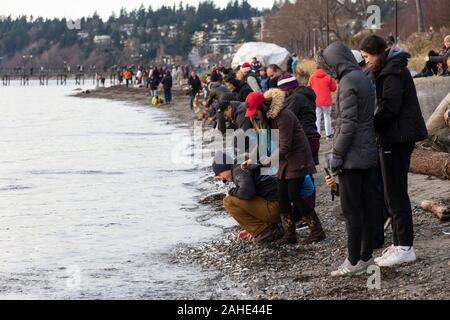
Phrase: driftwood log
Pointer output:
(430, 163)
(439, 210)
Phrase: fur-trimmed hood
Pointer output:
(276, 98)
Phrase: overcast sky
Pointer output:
(79, 8)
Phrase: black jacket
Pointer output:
(154, 83)
(441, 58)
(167, 82)
(302, 102)
(398, 118)
(216, 92)
(251, 184)
(354, 140)
(196, 84)
(273, 83)
(239, 120)
(242, 91)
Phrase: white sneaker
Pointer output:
(347, 269)
(398, 256)
(385, 253)
(367, 264)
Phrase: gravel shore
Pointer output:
(249, 271)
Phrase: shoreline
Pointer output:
(250, 271)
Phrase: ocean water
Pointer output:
(90, 201)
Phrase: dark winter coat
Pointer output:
(242, 91)
(295, 158)
(195, 83)
(167, 82)
(273, 82)
(154, 83)
(216, 92)
(441, 58)
(239, 120)
(398, 118)
(355, 140)
(302, 103)
(251, 184)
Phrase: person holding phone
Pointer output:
(354, 154)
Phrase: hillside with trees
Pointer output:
(136, 36)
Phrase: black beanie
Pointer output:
(222, 162)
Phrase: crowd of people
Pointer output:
(378, 122)
(154, 78)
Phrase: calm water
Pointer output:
(90, 202)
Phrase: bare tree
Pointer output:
(419, 11)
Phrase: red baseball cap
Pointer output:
(253, 101)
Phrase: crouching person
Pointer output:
(253, 202)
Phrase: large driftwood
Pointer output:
(439, 210)
(430, 163)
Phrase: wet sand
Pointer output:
(250, 271)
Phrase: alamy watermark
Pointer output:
(373, 22)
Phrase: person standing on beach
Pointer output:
(399, 124)
(301, 101)
(127, 76)
(354, 154)
(154, 83)
(167, 85)
(323, 85)
(294, 63)
(196, 86)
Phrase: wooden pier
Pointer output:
(46, 77)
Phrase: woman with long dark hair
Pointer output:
(399, 125)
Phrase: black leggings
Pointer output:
(289, 190)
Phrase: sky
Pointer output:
(78, 8)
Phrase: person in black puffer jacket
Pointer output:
(354, 155)
(399, 124)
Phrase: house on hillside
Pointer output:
(103, 40)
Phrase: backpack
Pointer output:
(155, 100)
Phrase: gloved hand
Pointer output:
(335, 164)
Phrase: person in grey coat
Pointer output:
(354, 154)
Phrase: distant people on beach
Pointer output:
(323, 86)
(436, 63)
(195, 88)
(167, 86)
(127, 75)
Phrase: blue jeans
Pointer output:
(154, 93)
(168, 95)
